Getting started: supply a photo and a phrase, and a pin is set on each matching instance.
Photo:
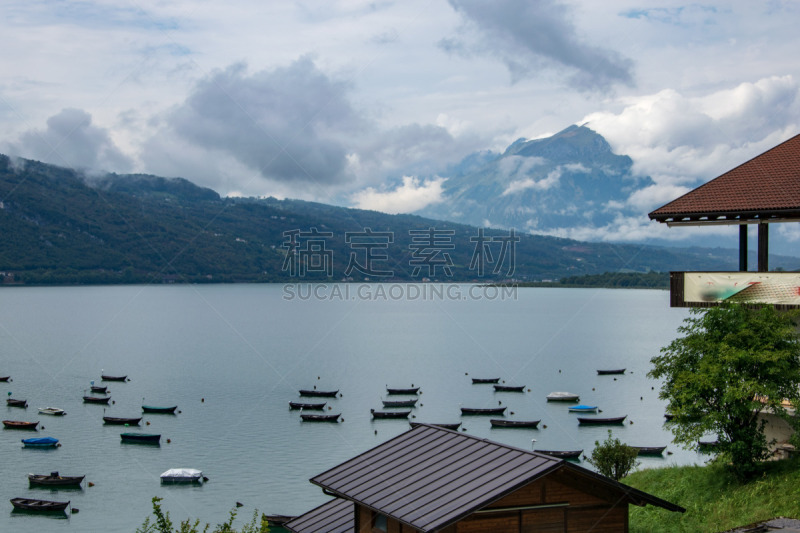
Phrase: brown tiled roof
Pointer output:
(335, 516)
(431, 477)
(767, 186)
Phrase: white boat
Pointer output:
(562, 397)
(52, 411)
(183, 475)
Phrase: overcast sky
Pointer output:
(365, 103)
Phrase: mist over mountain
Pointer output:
(63, 227)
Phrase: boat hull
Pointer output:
(159, 410)
(320, 418)
(452, 427)
(140, 438)
(592, 421)
(649, 450)
(413, 390)
(489, 411)
(319, 393)
(53, 411)
(97, 399)
(530, 424)
(54, 480)
(613, 371)
(39, 506)
(114, 378)
(19, 424)
(42, 442)
(390, 414)
(307, 406)
(481, 381)
(12, 402)
(563, 397)
(562, 454)
(399, 403)
(507, 388)
(116, 421)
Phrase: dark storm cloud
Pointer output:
(71, 140)
(289, 124)
(531, 36)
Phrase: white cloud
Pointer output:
(549, 181)
(412, 195)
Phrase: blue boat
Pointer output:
(40, 442)
(583, 409)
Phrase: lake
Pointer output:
(232, 357)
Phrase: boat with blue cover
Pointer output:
(40, 442)
(583, 409)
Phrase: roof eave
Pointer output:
(726, 217)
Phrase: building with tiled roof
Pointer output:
(434, 479)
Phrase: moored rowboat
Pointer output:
(531, 424)
(477, 381)
(12, 402)
(19, 424)
(412, 390)
(54, 480)
(113, 420)
(105, 377)
(583, 409)
(159, 410)
(320, 418)
(141, 438)
(509, 388)
(55, 411)
(562, 454)
(42, 506)
(40, 442)
(389, 414)
(307, 406)
(97, 399)
(593, 421)
(482, 411)
(319, 393)
(649, 450)
(610, 372)
(400, 403)
(562, 397)
(452, 427)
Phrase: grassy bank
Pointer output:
(714, 500)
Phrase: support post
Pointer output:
(763, 247)
(743, 247)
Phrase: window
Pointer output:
(379, 522)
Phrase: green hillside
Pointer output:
(59, 227)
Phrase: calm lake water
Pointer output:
(232, 357)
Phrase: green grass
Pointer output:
(713, 499)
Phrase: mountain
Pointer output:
(62, 227)
(566, 180)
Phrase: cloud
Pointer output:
(290, 124)
(412, 195)
(549, 181)
(530, 37)
(683, 140)
(71, 140)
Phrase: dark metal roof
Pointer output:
(765, 188)
(335, 516)
(430, 477)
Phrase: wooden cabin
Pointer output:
(433, 479)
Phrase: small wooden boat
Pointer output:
(40, 506)
(54, 411)
(596, 421)
(319, 418)
(5, 378)
(106, 377)
(113, 420)
(400, 403)
(453, 427)
(154, 409)
(531, 424)
(19, 424)
(562, 454)
(509, 388)
(319, 393)
(97, 399)
(40, 442)
(649, 450)
(611, 372)
(389, 414)
(98, 389)
(183, 475)
(12, 402)
(412, 390)
(562, 397)
(307, 406)
(54, 480)
(583, 409)
(483, 411)
(140, 438)
(477, 381)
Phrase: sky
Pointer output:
(367, 103)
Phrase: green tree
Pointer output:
(613, 459)
(733, 363)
